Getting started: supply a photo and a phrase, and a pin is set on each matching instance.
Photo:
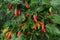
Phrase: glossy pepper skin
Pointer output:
(27, 15)
(34, 27)
(10, 6)
(26, 5)
(50, 13)
(18, 34)
(16, 12)
(8, 35)
(42, 25)
(21, 25)
(35, 17)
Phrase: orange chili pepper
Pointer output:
(8, 35)
(18, 34)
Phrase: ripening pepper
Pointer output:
(5, 30)
(18, 34)
(16, 12)
(50, 10)
(8, 35)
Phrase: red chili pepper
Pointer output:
(34, 27)
(50, 13)
(8, 35)
(26, 5)
(16, 12)
(42, 25)
(10, 6)
(27, 15)
(35, 18)
(44, 30)
(18, 34)
(21, 25)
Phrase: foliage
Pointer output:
(22, 15)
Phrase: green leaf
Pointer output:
(25, 27)
(7, 24)
(34, 37)
(13, 37)
(45, 1)
(55, 2)
(21, 37)
(56, 18)
(33, 2)
(40, 9)
(13, 1)
(20, 18)
(2, 14)
(38, 26)
(51, 29)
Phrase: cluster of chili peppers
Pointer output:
(9, 33)
(17, 12)
(35, 26)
